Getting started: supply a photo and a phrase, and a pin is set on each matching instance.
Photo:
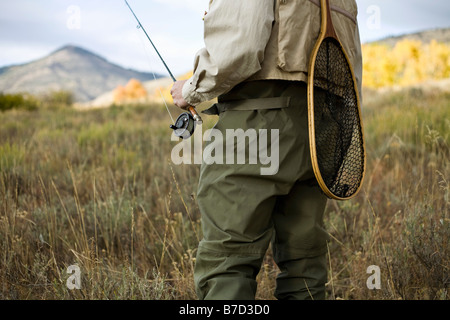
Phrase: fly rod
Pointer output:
(185, 124)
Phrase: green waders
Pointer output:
(244, 211)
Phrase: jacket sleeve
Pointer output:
(236, 35)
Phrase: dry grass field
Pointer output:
(97, 189)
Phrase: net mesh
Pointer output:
(338, 131)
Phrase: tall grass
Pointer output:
(399, 221)
(98, 189)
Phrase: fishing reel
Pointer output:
(184, 126)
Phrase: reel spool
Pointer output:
(185, 125)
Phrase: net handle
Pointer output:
(326, 17)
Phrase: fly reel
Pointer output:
(185, 125)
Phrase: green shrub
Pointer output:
(59, 98)
(17, 101)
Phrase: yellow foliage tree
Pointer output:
(134, 91)
(408, 62)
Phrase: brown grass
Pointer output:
(97, 189)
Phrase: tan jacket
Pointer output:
(265, 39)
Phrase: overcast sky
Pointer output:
(31, 29)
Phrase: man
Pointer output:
(255, 61)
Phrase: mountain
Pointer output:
(440, 35)
(71, 68)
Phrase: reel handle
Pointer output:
(195, 114)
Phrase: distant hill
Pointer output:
(71, 68)
(92, 78)
(440, 35)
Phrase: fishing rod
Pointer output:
(185, 125)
